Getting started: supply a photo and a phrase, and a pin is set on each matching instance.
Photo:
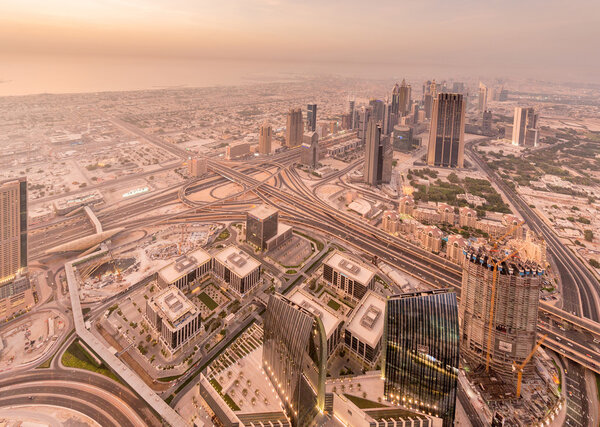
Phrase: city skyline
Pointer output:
(299, 214)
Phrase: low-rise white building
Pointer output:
(185, 269)
(237, 269)
(175, 318)
(365, 328)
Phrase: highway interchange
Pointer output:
(300, 206)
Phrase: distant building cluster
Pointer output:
(420, 222)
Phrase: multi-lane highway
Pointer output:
(581, 289)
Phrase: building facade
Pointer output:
(525, 132)
(13, 229)
(447, 133)
(237, 269)
(309, 153)
(513, 327)
(185, 270)
(365, 328)
(295, 358)
(421, 353)
(294, 128)
(265, 136)
(175, 318)
(261, 225)
(311, 118)
(196, 167)
(348, 276)
(15, 289)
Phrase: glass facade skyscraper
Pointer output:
(447, 133)
(295, 358)
(421, 357)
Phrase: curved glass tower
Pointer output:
(420, 364)
(295, 358)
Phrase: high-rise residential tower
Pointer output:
(378, 156)
(421, 343)
(483, 97)
(294, 129)
(295, 358)
(309, 153)
(377, 109)
(514, 314)
(404, 99)
(364, 115)
(265, 136)
(525, 132)
(447, 133)
(197, 166)
(311, 117)
(13, 228)
(351, 104)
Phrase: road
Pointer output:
(580, 287)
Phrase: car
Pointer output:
(596, 340)
(569, 344)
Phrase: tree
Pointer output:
(589, 235)
(594, 263)
(453, 178)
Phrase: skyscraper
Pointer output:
(264, 138)
(512, 333)
(15, 289)
(295, 358)
(404, 99)
(486, 123)
(196, 167)
(483, 97)
(364, 115)
(390, 119)
(420, 339)
(373, 154)
(446, 136)
(13, 228)
(377, 109)
(525, 132)
(311, 117)
(395, 104)
(261, 225)
(309, 153)
(294, 128)
(352, 113)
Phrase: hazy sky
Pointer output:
(486, 35)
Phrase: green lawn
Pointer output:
(77, 357)
(333, 304)
(224, 235)
(208, 301)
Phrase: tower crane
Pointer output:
(494, 281)
(519, 368)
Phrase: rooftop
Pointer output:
(263, 212)
(237, 261)
(304, 300)
(183, 265)
(173, 305)
(366, 322)
(351, 268)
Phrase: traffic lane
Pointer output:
(65, 402)
(88, 378)
(573, 354)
